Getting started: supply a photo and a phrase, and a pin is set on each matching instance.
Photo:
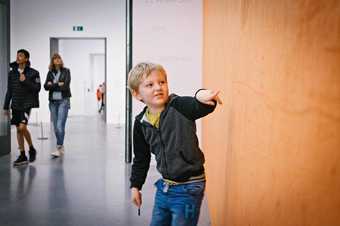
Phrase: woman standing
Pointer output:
(58, 84)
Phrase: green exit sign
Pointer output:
(78, 28)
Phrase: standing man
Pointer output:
(22, 95)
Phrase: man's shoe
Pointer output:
(32, 154)
(21, 160)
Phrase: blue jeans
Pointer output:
(177, 205)
(59, 111)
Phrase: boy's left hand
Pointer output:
(206, 96)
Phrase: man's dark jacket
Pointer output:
(22, 95)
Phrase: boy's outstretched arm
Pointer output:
(141, 163)
(202, 104)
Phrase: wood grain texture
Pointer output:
(273, 149)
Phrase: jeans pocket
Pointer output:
(158, 184)
(196, 188)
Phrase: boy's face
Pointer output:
(153, 91)
(21, 58)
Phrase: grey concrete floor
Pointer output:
(89, 186)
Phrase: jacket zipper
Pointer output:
(162, 143)
(163, 152)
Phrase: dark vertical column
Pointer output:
(54, 46)
(5, 135)
(128, 115)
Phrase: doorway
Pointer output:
(86, 59)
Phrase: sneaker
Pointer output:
(21, 160)
(32, 154)
(56, 153)
(62, 150)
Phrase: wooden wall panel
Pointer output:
(273, 148)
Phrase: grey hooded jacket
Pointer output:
(174, 143)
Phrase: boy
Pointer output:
(166, 127)
(22, 94)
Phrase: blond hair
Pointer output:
(140, 72)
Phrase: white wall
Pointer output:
(85, 78)
(33, 22)
(169, 32)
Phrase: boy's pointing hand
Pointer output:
(206, 96)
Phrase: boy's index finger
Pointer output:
(218, 99)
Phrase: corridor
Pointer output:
(88, 187)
